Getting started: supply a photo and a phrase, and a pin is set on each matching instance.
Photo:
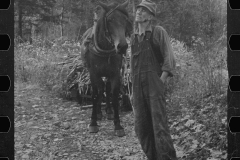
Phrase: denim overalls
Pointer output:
(149, 103)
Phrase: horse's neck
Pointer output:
(101, 40)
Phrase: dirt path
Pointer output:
(50, 128)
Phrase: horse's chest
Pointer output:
(106, 69)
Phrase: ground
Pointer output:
(50, 128)
(47, 127)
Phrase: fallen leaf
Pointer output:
(35, 106)
(189, 122)
(58, 124)
(25, 156)
(77, 128)
(66, 125)
(33, 137)
(79, 146)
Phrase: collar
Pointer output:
(149, 28)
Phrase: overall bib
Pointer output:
(150, 116)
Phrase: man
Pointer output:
(149, 74)
(87, 38)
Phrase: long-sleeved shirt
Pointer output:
(162, 40)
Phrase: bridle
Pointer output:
(107, 32)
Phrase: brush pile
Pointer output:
(78, 77)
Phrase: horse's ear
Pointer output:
(125, 4)
(103, 5)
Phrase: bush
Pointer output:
(197, 96)
(40, 64)
(57, 65)
(198, 74)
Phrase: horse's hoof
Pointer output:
(110, 116)
(93, 129)
(120, 133)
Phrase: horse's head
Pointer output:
(117, 24)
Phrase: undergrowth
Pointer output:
(197, 101)
(196, 95)
(42, 65)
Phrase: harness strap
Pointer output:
(93, 49)
(107, 34)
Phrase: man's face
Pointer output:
(143, 15)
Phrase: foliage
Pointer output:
(189, 18)
(201, 130)
(29, 13)
(196, 95)
(183, 20)
(199, 72)
(197, 100)
(78, 77)
(58, 65)
(38, 63)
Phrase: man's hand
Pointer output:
(164, 76)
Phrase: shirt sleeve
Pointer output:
(161, 38)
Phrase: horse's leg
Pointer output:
(93, 127)
(108, 109)
(99, 99)
(115, 85)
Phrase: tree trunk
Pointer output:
(79, 34)
(62, 18)
(134, 11)
(32, 38)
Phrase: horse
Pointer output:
(104, 59)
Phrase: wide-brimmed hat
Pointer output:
(151, 6)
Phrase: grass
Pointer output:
(41, 65)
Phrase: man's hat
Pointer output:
(151, 6)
